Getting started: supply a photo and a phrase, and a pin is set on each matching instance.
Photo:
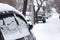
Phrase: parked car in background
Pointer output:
(41, 16)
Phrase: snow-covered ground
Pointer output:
(49, 30)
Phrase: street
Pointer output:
(49, 30)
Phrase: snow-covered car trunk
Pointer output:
(12, 23)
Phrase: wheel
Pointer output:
(44, 21)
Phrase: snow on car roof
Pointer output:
(6, 7)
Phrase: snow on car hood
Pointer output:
(6, 7)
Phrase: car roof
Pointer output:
(7, 8)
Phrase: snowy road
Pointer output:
(49, 30)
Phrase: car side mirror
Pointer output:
(30, 26)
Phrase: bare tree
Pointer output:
(12, 3)
(49, 5)
(57, 6)
(24, 7)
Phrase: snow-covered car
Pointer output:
(13, 25)
(41, 17)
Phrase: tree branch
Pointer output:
(39, 6)
(37, 2)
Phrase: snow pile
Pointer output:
(49, 30)
(54, 13)
(5, 7)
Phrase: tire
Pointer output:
(59, 17)
(44, 21)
